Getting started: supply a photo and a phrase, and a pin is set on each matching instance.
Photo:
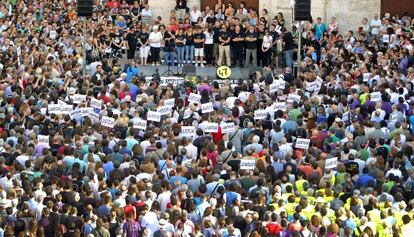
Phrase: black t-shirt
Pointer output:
(199, 37)
(189, 40)
(225, 35)
(237, 35)
(135, 11)
(244, 119)
(235, 164)
(288, 39)
(117, 39)
(251, 44)
(132, 38)
(216, 35)
(352, 167)
(105, 39)
(180, 38)
(144, 37)
(169, 41)
(211, 19)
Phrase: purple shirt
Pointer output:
(201, 88)
(131, 228)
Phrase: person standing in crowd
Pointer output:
(251, 46)
(267, 48)
(144, 46)
(287, 47)
(194, 15)
(189, 46)
(169, 47)
(199, 40)
(319, 28)
(224, 48)
(132, 40)
(146, 15)
(237, 46)
(375, 25)
(155, 38)
(180, 41)
(209, 45)
(181, 9)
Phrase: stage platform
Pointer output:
(236, 72)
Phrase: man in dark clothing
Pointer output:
(251, 46)
(287, 47)
(237, 46)
(132, 38)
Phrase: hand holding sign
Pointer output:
(207, 108)
(194, 98)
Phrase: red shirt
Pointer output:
(273, 228)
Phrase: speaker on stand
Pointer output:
(85, 8)
(302, 10)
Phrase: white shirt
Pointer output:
(377, 24)
(155, 39)
(150, 221)
(194, 15)
(164, 199)
(209, 37)
(267, 41)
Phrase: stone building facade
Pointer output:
(349, 13)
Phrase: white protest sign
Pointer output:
(164, 110)
(274, 87)
(54, 108)
(164, 81)
(140, 124)
(376, 96)
(194, 98)
(279, 106)
(331, 163)
(43, 139)
(385, 38)
(260, 114)
(169, 103)
(366, 76)
(77, 113)
(176, 115)
(153, 116)
(78, 98)
(108, 122)
(292, 98)
(43, 111)
(313, 86)
(97, 104)
(187, 113)
(66, 109)
(247, 164)
(211, 127)
(302, 143)
(188, 131)
(282, 84)
(86, 111)
(227, 127)
(207, 108)
(94, 117)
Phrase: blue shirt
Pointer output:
(108, 167)
(364, 179)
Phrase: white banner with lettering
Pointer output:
(302, 143)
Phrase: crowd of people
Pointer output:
(103, 152)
